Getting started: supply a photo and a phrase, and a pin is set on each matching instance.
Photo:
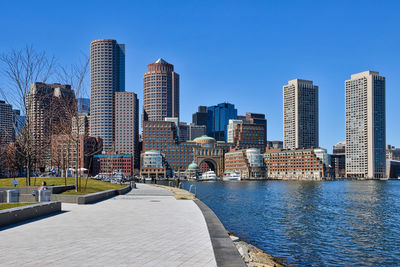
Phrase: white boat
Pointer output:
(209, 176)
(231, 176)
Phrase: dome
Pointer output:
(193, 166)
(204, 140)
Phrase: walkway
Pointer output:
(146, 227)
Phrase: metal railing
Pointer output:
(195, 189)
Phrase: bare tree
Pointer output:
(75, 75)
(21, 68)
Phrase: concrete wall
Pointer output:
(19, 214)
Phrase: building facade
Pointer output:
(365, 126)
(259, 119)
(338, 160)
(7, 133)
(392, 153)
(200, 117)
(153, 165)
(107, 76)
(161, 92)
(83, 105)
(126, 128)
(246, 135)
(274, 144)
(300, 114)
(248, 162)
(218, 117)
(112, 163)
(47, 114)
(297, 164)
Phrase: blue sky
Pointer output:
(242, 52)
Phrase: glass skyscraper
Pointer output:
(218, 117)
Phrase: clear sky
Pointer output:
(242, 52)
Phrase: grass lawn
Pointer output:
(92, 185)
(4, 206)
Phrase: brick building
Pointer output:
(248, 162)
(111, 163)
(301, 164)
(247, 135)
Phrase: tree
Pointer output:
(21, 68)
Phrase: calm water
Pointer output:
(312, 222)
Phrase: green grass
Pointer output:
(92, 185)
(4, 206)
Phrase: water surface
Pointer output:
(318, 223)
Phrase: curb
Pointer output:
(225, 251)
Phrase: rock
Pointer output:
(244, 252)
(234, 238)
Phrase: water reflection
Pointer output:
(313, 223)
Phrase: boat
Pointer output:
(231, 176)
(209, 176)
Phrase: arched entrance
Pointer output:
(207, 165)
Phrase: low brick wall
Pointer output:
(20, 214)
(90, 198)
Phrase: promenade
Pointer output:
(146, 227)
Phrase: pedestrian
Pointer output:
(44, 186)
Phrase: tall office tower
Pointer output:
(127, 125)
(218, 119)
(107, 76)
(46, 114)
(161, 92)
(200, 117)
(7, 133)
(365, 125)
(300, 114)
(258, 118)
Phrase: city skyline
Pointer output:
(329, 62)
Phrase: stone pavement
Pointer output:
(146, 227)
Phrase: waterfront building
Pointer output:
(126, 116)
(274, 144)
(47, 104)
(107, 76)
(338, 159)
(83, 105)
(153, 165)
(111, 163)
(7, 133)
(64, 152)
(205, 151)
(246, 135)
(248, 162)
(200, 117)
(393, 169)
(365, 126)
(218, 117)
(161, 92)
(392, 153)
(295, 164)
(300, 114)
(193, 171)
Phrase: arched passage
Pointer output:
(207, 165)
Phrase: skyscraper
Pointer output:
(127, 125)
(365, 125)
(200, 117)
(7, 133)
(218, 119)
(107, 76)
(161, 92)
(300, 114)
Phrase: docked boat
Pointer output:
(231, 176)
(209, 176)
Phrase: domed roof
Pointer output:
(193, 166)
(204, 140)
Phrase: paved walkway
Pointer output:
(146, 227)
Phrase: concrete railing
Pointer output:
(90, 198)
(20, 214)
(25, 193)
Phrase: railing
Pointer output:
(195, 189)
(180, 185)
